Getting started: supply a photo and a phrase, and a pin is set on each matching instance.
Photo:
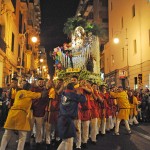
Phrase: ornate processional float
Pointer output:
(82, 55)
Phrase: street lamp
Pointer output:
(41, 60)
(23, 39)
(116, 40)
(34, 39)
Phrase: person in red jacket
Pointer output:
(85, 113)
(104, 106)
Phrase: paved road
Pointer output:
(138, 140)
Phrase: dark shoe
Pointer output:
(27, 144)
(77, 148)
(74, 145)
(32, 136)
(48, 146)
(53, 142)
(102, 134)
(93, 142)
(84, 145)
(38, 146)
(57, 143)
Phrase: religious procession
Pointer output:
(67, 116)
(88, 88)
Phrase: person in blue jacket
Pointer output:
(68, 112)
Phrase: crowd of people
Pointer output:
(69, 115)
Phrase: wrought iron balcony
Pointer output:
(2, 45)
(31, 1)
(24, 1)
(24, 4)
(30, 22)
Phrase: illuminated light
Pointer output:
(34, 39)
(48, 76)
(116, 40)
(38, 69)
(41, 60)
(45, 70)
(55, 78)
(44, 67)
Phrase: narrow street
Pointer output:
(138, 140)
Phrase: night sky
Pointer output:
(54, 14)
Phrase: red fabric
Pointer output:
(94, 108)
(103, 105)
(54, 105)
(85, 115)
(84, 108)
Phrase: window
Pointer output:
(20, 22)
(12, 42)
(112, 32)
(135, 46)
(122, 22)
(135, 83)
(18, 51)
(2, 31)
(133, 11)
(122, 54)
(112, 59)
(111, 6)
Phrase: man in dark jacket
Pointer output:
(38, 108)
(68, 112)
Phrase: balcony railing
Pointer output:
(2, 45)
(31, 1)
(24, 1)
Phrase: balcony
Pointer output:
(2, 45)
(31, 1)
(37, 8)
(24, 1)
(30, 22)
(24, 4)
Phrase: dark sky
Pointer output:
(54, 14)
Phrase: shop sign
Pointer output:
(69, 70)
(122, 74)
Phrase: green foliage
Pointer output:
(84, 74)
(74, 22)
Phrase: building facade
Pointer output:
(19, 20)
(127, 62)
